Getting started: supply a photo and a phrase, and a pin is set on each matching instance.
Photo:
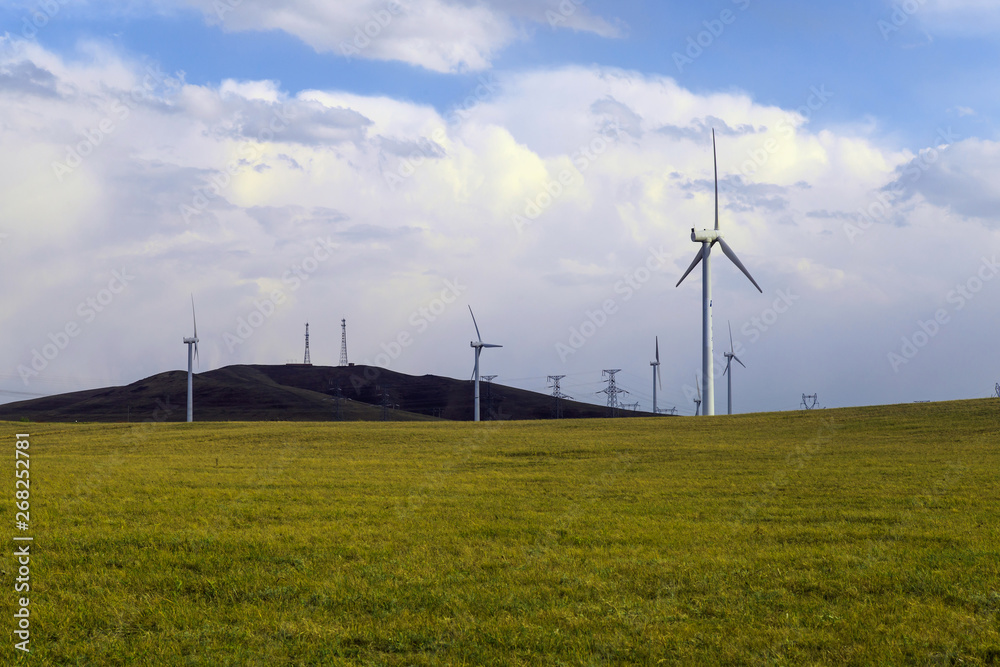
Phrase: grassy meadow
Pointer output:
(859, 536)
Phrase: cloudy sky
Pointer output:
(543, 161)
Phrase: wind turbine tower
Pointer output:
(478, 346)
(729, 360)
(192, 344)
(656, 375)
(343, 342)
(708, 238)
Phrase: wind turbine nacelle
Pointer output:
(706, 236)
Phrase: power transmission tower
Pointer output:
(671, 411)
(385, 404)
(306, 361)
(612, 390)
(337, 399)
(343, 342)
(557, 394)
(634, 407)
(809, 401)
(490, 406)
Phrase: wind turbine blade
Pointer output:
(194, 318)
(691, 268)
(729, 360)
(736, 260)
(491, 345)
(197, 360)
(657, 350)
(732, 349)
(715, 164)
(659, 380)
(697, 386)
(740, 362)
(479, 337)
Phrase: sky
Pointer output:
(544, 162)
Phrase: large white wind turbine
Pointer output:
(192, 343)
(729, 361)
(656, 374)
(478, 345)
(708, 238)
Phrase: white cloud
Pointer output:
(616, 164)
(440, 35)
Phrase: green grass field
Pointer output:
(860, 536)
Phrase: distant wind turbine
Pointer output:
(478, 345)
(656, 374)
(192, 344)
(697, 401)
(729, 360)
(708, 238)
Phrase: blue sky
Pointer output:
(417, 173)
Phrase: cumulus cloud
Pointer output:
(337, 204)
(439, 35)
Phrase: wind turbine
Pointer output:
(697, 401)
(656, 374)
(729, 360)
(192, 343)
(708, 238)
(478, 345)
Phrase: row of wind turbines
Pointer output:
(706, 237)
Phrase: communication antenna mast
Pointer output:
(306, 360)
(612, 390)
(809, 401)
(557, 394)
(343, 342)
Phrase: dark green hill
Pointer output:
(294, 393)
